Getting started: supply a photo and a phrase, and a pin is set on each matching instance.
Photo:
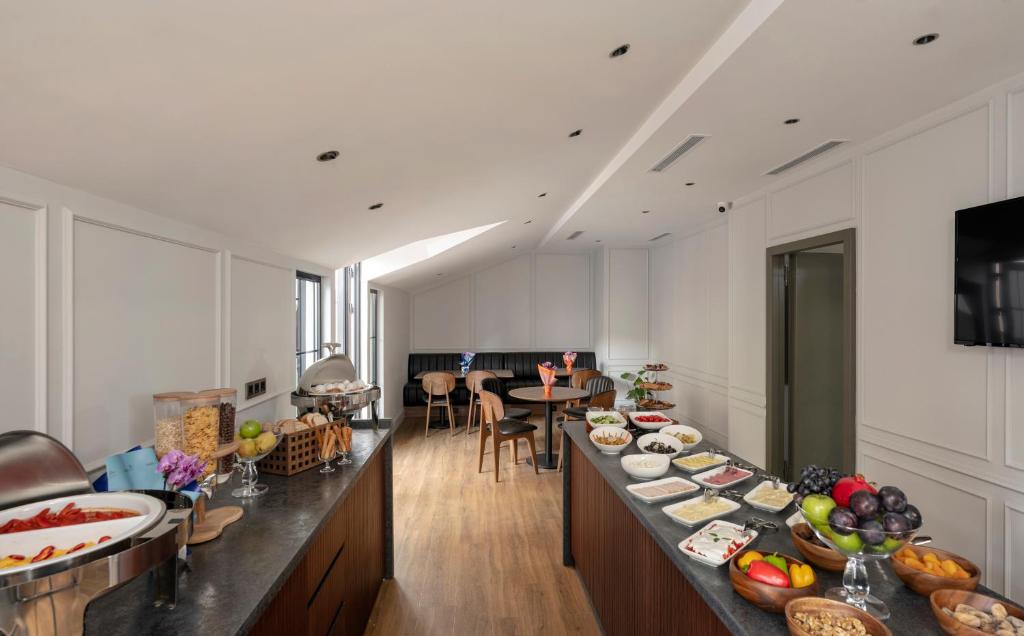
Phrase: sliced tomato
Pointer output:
(43, 554)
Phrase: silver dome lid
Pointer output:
(334, 368)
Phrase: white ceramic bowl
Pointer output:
(645, 465)
(610, 449)
(683, 428)
(667, 440)
(620, 421)
(650, 426)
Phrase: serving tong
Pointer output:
(759, 524)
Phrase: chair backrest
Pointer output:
(605, 400)
(494, 410)
(475, 380)
(580, 378)
(438, 383)
(599, 384)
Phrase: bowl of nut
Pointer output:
(963, 612)
(816, 616)
(610, 440)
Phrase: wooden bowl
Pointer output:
(924, 583)
(821, 556)
(814, 605)
(952, 598)
(768, 597)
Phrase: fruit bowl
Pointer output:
(767, 597)
(250, 451)
(924, 582)
(814, 551)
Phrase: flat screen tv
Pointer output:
(989, 286)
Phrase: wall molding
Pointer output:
(1008, 552)
(747, 396)
(819, 228)
(67, 328)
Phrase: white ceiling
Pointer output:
(455, 114)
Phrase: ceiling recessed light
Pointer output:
(645, 211)
(598, 241)
(527, 221)
(330, 155)
(376, 206)
(791, 121)
(927, 38)
(576, 133)
(619, 52)
(542, 194)
(513, 247)
(690, 183)
(439, 274)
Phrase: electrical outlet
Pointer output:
(255, 388)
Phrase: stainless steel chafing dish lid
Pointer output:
(34, 466)
(334, 368)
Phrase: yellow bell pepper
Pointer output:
(801, 575)
(747, 558)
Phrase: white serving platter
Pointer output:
(645, 440)
(748, 538)
(702, 478)
(719, 460)
(634, 489)
(766, 485)
(683, 428)
(672, 508)
(649, 426)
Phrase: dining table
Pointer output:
(559, 395)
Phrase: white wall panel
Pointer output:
(747, 297)
(747, 433)
(663, 275)
(501, 303)
(145, 314)
(628, 306)
(716, 271)
(1015, 143)
(917, 383)
(1013, 555)
(441, 317)
(262, 333)
(394, 347)
(820, 201)
(22, 325)
(691, 290)
(562, 303)
(1014, 429)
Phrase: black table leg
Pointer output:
(548, 459)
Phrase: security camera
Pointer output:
(723, 206)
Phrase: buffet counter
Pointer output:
(623, 548)
(308, 557)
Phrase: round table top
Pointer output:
(558, 394)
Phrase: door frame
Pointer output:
(776, 343)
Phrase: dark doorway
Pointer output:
(811, 314)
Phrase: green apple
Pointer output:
(849, 543)
(817, 507)
(824, 529)
(250, 429)
(891, 544)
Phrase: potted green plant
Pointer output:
(636, 393)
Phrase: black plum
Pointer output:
(864, 504)
(842, 520)
(871, 532)
(892, 498)
(913, 515)
(895, 522)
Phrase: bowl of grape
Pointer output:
(858, 521)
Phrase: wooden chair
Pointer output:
(604, 400)
(475, 384)
(595, 385)
(579, 380)
(439, 384)
(502, 429)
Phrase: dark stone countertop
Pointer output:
(229, 581)
(911, 613)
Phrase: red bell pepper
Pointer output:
(765, 572)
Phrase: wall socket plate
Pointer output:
(255, 388)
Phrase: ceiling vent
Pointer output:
(807, 156)
(688, 144)
(575, 235)
(660, 236)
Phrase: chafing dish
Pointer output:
(334, 369)
(49, 598)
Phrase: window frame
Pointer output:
(302, 348)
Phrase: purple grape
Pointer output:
(864, 504)
(892, 498)
(842, 521)
(871, 532)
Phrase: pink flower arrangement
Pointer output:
(547, 376)
(180, 469)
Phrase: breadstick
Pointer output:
(329, 443)
(346, 436)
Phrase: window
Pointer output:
(349, 308)
(372, 329)
(308, 341)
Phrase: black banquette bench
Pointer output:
(522, 363)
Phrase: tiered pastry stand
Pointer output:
(655, 386)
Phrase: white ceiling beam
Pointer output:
(745, 24)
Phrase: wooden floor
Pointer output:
(473, 556)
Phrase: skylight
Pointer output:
(417, 251)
